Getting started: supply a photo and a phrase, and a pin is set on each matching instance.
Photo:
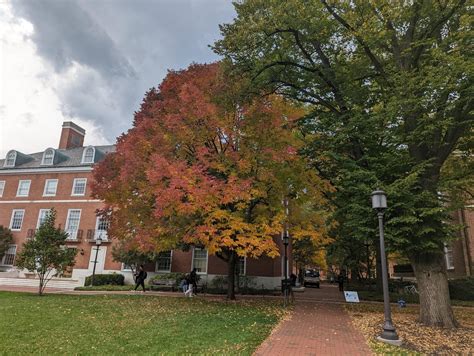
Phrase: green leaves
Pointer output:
(46, 254)
(389, 90)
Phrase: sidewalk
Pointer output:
(318, 325)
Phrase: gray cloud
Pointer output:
(64, 33)
(123, 48)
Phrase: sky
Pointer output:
(91, 62)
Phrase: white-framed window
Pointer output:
(72, 223)
(88, 155)
(17, 219)
(9, 256)
(23, 188)
(126, 268)
(43, 214)
(48, 157)
(163, 262)
(101, 226)
(242, 266)
(200, 260)
(79, 186)
(2, 187)
(448, 256)
(10, 159)
(50, 187)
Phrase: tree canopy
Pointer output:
(209, 166)
(389, 89)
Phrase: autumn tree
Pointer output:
(208, 166)
(46, 254)
(390, 90)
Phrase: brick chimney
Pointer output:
(72, 136)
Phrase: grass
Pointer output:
(113, 324)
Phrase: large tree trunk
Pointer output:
(231, 275)
(435, 304)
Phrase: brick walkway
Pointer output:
(318, 325)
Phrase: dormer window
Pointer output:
(10, 159)
(88, 155)
(48, 157)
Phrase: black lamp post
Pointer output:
(286, 240)
(389, 334)
(98, 242)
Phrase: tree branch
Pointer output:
(376, 63)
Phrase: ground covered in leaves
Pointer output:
(116, 324)
(417, 338)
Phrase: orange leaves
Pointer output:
(200, 166)
(224, 230)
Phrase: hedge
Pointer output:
(462, 288)
(106, 279)
(174, 276)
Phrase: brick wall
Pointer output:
(63, 201)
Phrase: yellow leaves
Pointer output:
(230, 230)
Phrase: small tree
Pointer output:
(128, 254)
(46, 254)
(6, 238)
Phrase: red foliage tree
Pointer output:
(204, 165)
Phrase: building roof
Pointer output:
(65, 158)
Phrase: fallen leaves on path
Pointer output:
(416, 337)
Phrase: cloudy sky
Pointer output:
(91, 61)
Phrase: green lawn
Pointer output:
(113, 324)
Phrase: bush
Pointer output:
(462, 289)
(243, 284)
(106, 279)
(175, 276)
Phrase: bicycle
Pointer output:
(411, 289)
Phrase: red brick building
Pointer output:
(31, 184)
(459, 254)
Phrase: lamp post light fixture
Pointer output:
(98, 242)
(389, 334)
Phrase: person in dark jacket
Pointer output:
(340, 281)
(193, 280)
(140, 278)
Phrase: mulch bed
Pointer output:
(417, 338)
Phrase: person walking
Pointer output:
(189, 287)
(193, 280)
(340, 281)
(140, 278)
(184, 284)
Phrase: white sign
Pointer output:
(351, 297)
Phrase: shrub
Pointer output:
(106, 279)
(462, 289)
(176, 276)
(243, 283)
(219, 283)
